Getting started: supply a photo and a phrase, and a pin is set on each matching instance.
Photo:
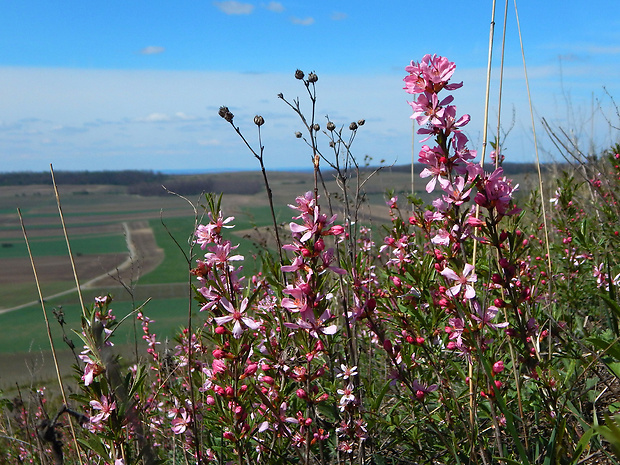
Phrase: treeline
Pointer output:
(115, 178)
(194, 185)
(138, 182)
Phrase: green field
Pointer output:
(172, 223)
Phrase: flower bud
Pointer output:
(498, 367)
(259, 120)
(251, 369)
(299, 74)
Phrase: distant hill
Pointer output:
(510, 169)
(115, 178)
(137, 182)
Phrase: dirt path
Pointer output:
(143, 256)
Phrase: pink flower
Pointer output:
(315, 327)
(421, 390)
(180, 423)
(237, 317)
(456, 328)
(468, 276)
(327, 258)
(91, 369)
(346, 372)
(498, 193)
(448, 122)
(428, 108)
(305, 203)
(347, 396)
(431, 74)
(219, 366)
(298, 302)
(456, 192)
(104, 407)
(220, 254)
(436, 169)
(211, 232)
(485, 317)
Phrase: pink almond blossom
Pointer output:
(237, 317)
(465, 279)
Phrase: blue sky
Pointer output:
(137, 84)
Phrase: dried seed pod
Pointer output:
(298, 135)
(299, 74)
(330, 126)
(312, 77)
(316, 127)
(353, 126)
(259, 120)
(361, 122)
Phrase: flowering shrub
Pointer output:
(455, 340)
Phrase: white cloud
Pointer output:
(163, 118)
(338, 16)
(303, 22)
(132, 119)
(276, 7)
(152, 50)
(232, 7)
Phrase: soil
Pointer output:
(93, 270)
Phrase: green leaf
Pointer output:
(94, 443)
(581, 445)
(379, 398)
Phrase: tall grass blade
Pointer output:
(49, 331)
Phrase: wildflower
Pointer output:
(91, 369)
(220, 254)
(236, 316)
(347, 396)
(347, 372)
(298, 302)
(456, 192)
(315, 327)
(456, 328)
(421, 390)
(435, 160)
(484, 317)
(104, 407)
(180, 423)
(345, 446)
(468, 276)
(497, 193)
(431, 74)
